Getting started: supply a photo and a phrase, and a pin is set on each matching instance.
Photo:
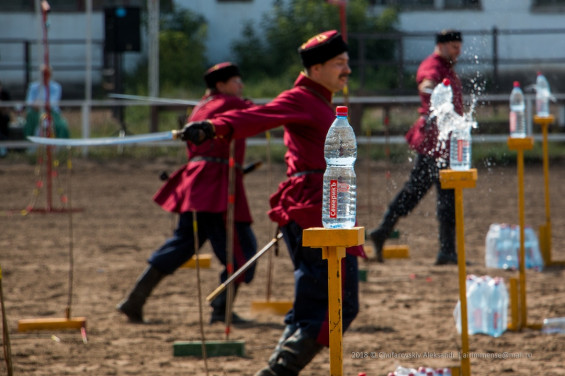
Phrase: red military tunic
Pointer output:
(202, 185)
(306, 113)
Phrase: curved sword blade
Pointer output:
(103, 141)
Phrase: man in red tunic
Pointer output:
(431, 157)
(306, 113)
(201, 188)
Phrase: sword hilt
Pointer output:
(176, 134)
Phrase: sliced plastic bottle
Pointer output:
(497, 307)
(543, 93)
(460, 149)
(442, 96)
(517, 112)
(340, 151)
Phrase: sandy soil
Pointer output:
(406, 304)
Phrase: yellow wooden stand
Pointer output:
(545, 229)
(274, 307)
(63, 323)
(204, 261)
(519, 145)
(458, 180)
(74, 323)
(333, 243)
(393, 251)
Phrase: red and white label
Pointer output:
(460, 145)
(333, 198)
(513, 121)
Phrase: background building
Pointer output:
(503, 38)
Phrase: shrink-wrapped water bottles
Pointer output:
(502, 247)
(487, 306)
(339, 196)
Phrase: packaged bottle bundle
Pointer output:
(502, 247)
(487, 306)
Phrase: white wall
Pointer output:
(502, 14)
(226, 21)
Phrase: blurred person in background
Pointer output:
(36, 97)
(422, 138)
(201, 188)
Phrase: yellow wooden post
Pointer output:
(514, 324)
(545, 229)
(333, 243)
(521, 144)
(458, 180)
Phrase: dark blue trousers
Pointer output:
(211, 226)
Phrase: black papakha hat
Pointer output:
(322, 48)
(220, 73)
(445, 36)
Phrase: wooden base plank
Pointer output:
(272, 306)
(213, 348)
(51, 324)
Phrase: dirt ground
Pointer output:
(406, 315)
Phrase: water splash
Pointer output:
(448, 120)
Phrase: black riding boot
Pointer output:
(132, 306)
(381, 233)
(292, 356)
(288, 331)
(219, 309)
(447, 254)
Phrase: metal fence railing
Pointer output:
(385, 103)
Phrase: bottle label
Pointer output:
(513, 121)
(460, 146)
(333, 198)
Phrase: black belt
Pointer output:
(307, 172)
(213, 159)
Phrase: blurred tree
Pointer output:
(270, 50)
(181, 54)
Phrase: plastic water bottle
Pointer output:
(507, 247)
(492, 246)
(517, 112)
(542, 96)
(403, 371)
(340, 196)
(476, 306)
(460, 149)
(534, 260)
(497, 307)
(554, 325)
